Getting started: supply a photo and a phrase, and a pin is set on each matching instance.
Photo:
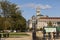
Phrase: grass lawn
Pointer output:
(20, 34)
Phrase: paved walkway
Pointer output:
(16, 38)
(39, 34)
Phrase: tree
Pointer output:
(1, 23)
(50, 23)
(12, 17)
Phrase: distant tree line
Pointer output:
(11, 17)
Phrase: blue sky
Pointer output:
(48, 7)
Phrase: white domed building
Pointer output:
(42, 21)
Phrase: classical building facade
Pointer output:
(42, 21)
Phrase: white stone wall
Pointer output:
(44, 22)
(30, 25)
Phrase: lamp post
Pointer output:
(34, 28)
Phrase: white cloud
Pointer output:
(31, 5)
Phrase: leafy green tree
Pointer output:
(12, 18)
(50, 23)
(1, 22)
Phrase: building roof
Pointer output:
(50, 18)
(40, 15)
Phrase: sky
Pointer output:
(47, 7)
